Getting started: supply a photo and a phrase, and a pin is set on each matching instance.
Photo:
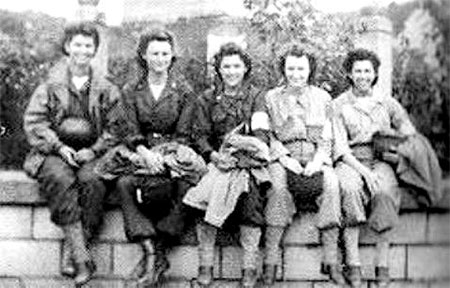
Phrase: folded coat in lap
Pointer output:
(219, 190)
(181, 160)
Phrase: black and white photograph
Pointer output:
(225, 144)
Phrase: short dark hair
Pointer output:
(83, 28)
(160, 35)
(361, 55)
(297, 51)
(230, 49)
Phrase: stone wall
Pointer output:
(30, 248)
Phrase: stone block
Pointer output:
(302, 230)
(125, 258)
(183, 262)
(43, 228)
(331, 285)
(397, 262)
(232, 262)
(428, 262)
(112, 228)
(16, 222)
(440, 284)
(57, 282)
(22, 257)
(438, 228)
(411, 229)
(302, 263)
(102, 254)
(403, 284)
(7, 282)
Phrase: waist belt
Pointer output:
(301, 149)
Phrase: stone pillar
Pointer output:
(88, 12)
(375, 34)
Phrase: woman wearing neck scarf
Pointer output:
(365, 179)
(302, 173)
(218, 112)
(68, 123)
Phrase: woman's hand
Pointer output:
(291, 164)
(84, 155)
(154, 161)
(223, 161)
(312, 167)
(68, 154)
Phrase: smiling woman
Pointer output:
(66, 124)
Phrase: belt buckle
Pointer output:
(156, 135)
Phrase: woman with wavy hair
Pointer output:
(366, 179)
(68, 123)
(302, 172)
(155, 110)
(231, 105)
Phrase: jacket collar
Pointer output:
(59, 76)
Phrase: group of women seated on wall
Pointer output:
(235, 155)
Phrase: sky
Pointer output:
(114, 8)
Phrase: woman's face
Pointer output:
(232, 69)
(158, 56)
(362, 75)
(297, 70)
(81, 49)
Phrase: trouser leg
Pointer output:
(249, 238)
(92, 192)
(59, 188)
(351, 246)
(206, 235)
(330, 245)
(137, 225)
(273, 236)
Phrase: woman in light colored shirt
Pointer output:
(365, 179)
(301, 145)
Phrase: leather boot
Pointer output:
(249, 278)
(334, 272)
(382, 277)
(353, 276)
(85, 270)
(153, 277)
(67, 266)
(84, 265)
(269, 274)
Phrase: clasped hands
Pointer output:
(295, 166)
(76, 158)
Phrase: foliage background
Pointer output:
(29, 45)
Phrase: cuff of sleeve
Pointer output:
(135, 141)
(57, 146)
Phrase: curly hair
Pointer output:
(297, 51)
(361, 55)
(83, 28)
(160, 35)
(230, 49)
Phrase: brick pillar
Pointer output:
(375, 34)
(88, 11)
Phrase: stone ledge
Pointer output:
(17, 188)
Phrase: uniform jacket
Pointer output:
(49, 106)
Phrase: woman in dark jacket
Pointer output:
(219, 111)
(68, 125)
(155, 109)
